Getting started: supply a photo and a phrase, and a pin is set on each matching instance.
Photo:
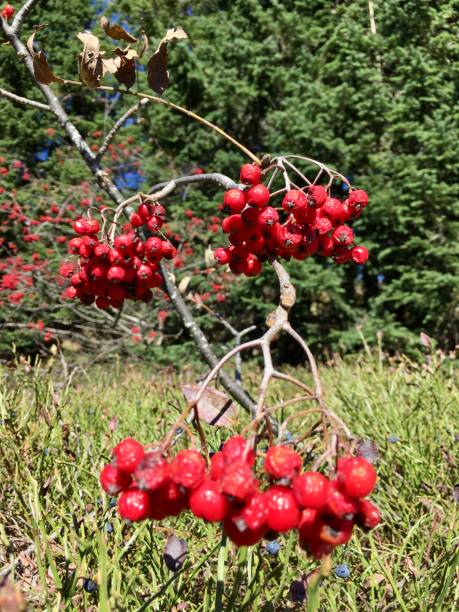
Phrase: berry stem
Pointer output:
(178, 108)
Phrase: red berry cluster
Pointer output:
(323, 511)
(108, 274)
(309, 222)
(7, 11)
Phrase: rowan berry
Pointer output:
(252, 266)
(334, 530)
(317, 196)
(207, 502)
(311, 489)
(283, 510)
(239, 481)
(294, 200)
(128, 454)
(359, 255)
(339, 502)
(116, 274)
(152, 472)
(221, 256)
(358, 198)
(358, 477)
(134, 504)
(66, 269)
(250, 174)
(236, 448)
(308, 524)
(239, 533)
(258, 195)
(282, 462)
(113, 480)
(188, 468)
(268, 217)
(7, 11)
(343, 235)
(368, 515)
(255, 511)
(334, 210)
(217, 465)
(233, 201)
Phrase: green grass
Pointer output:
(55, 435)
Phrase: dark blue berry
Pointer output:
(342, 571)
(273, 547)
(89, 585)
(108, 527)
(393, 439)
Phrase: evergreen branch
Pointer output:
(24, 101)
(115, 129)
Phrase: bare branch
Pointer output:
(118, 125)
(24, 101)
(21, 15)
(213, 177)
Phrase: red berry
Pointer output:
(66, 269)
(217, 465)
(116, 274)
(152, 472)
(128, 454)
(207, 502)
(74, 245)
(92, 226)
(103, 302)
(188, 468)
(236, 448)
(124, 243)
(136, 220)
(7, 11)
(239, 533)
(282, 462)
(144, 273)
(283, 509)
(294, 200)
(239, 481)
(339, 502)
(258, 195)
(155, 223)
(358, 477)
(308, 524)
(252, 266)
(231, 224)
(113, 480)
(250, 174)
(172, 499)
(358, 199)
(80, 226)
(322, 225)
(115, 257)
(334, 210)
(134, 505)
(168, 250)
(255, 511)
(233, 201)
(341, 254)
(326, 245)
(343, 236)
(335, 531)
(317, 196)
(154, 246)
(221, 256)
(317, 548)
(71, 293)
(268, 217)
(310, 489)
(102, 251)
(368, 515)
(359, 255)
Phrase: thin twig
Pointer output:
(24, 101)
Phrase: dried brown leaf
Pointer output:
(41, 69)
(126, 72)
(158, 75)
(214, 407)
(90, 62)
(116, 31)
(143, 44)
(11, 598)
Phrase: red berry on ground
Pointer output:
(310, 489)
(128, 454)
(134, 505)
(113, 480)
(188, 468)
(282, 462)
(283, 510)
(358, 477)
(208, 503)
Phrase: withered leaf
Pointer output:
(90, 63)
(367, 449)
(143, 44)
(214, 407)
(11, 598)
(116, 31)
(41, 69)
(175, 553)
(158, 75)
(126, 72)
